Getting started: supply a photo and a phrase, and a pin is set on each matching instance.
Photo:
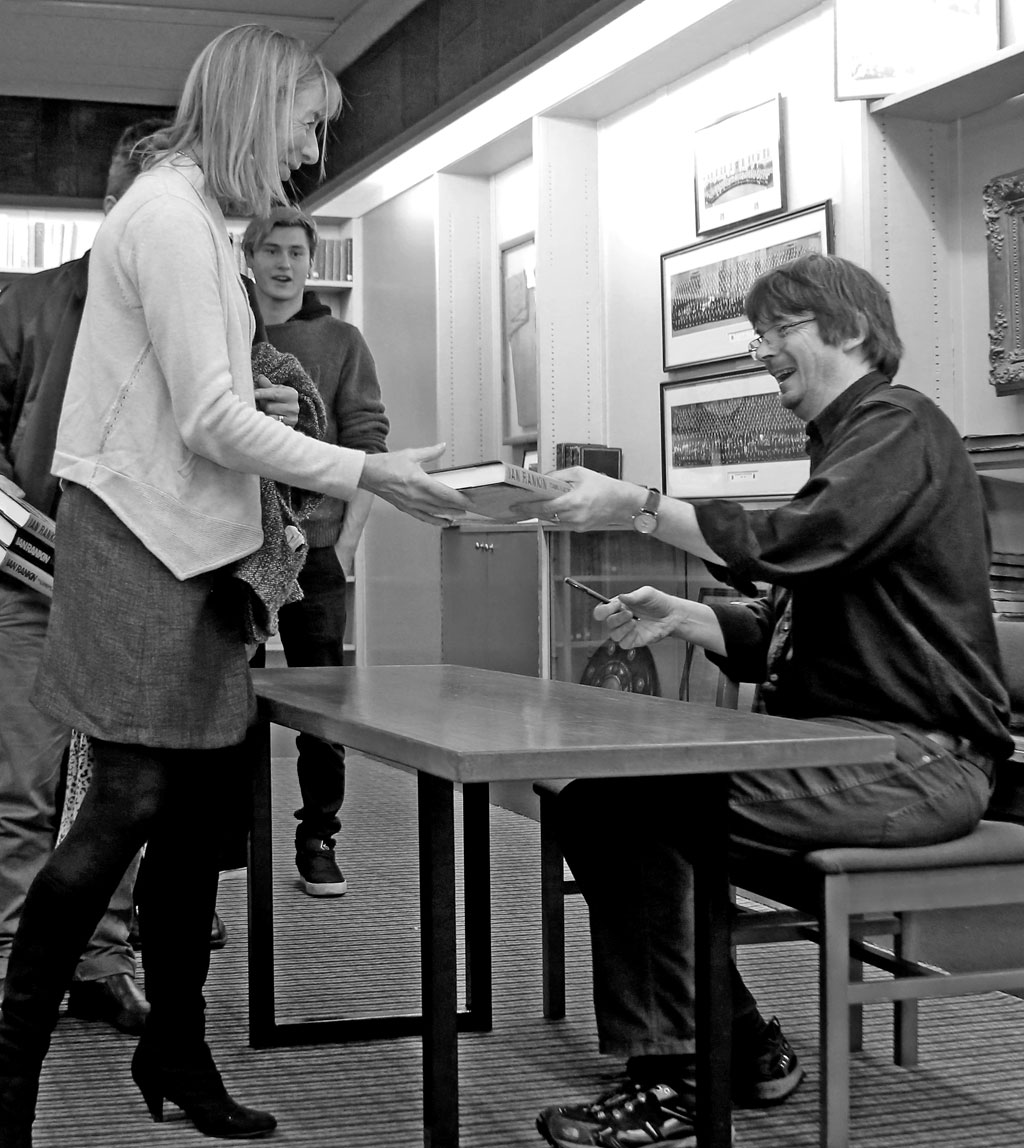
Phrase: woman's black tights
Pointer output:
(176, 802)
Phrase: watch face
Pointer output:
(645, 522)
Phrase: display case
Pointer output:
(609, 561)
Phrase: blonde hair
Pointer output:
(241, 87)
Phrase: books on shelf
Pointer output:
(333, 261)
(26, 543)
(29, 243)
(494, 487)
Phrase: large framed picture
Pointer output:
(729, 436)
(882, 47)
(738, 172)
(1003, 211)
(703, 285)
(519, 340)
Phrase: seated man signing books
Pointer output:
(502, 491)
(879, 619)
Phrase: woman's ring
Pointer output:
(554, 516)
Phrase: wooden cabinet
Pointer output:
(490, 613)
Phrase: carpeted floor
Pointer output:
(359, 953)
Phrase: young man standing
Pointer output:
(279, 250)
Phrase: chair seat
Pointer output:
(991, 843)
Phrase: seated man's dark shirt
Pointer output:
(885, 551)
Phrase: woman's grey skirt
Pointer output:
(133, 655)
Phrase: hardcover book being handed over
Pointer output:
(494, 487)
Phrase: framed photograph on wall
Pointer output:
(882, 47)
(1002, 200)
(729, 436)
(703, 285)
(519, 340)
(737, 162)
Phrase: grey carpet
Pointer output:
(359, 954)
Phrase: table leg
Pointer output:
(713, 1005)
(261, 894)
(477, 892)
(438, 958)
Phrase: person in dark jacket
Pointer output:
(878, 617)
(39, 320)
(279, 249)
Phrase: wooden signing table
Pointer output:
(454, 725)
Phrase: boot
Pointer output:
(17, 1110)
(52, 933)
(193, 1083)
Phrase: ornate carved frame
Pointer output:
(1003, 200)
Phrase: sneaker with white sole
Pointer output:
(630, 1116)
(319, 874)
(765, 1070)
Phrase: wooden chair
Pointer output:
(839, 897)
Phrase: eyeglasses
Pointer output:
(781, 330)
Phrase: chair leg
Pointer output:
(855, 976)
(552, 909)
(905, 1013)
(833, 970)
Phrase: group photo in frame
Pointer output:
(738, 168)
(922, 40)
(703, 285)
(728, 435)
(519, 366)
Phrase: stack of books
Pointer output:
(26, 543)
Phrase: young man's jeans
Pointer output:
(313, 634)
(626, 843)
(32, 747)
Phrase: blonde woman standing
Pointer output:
(160, 449)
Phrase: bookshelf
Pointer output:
(333, 264)
(33, 239)
(956, 95)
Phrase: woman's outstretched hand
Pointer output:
(399, 478)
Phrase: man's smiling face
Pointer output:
(806, 368)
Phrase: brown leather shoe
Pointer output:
(115, 1000)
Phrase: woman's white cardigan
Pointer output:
(159, 420)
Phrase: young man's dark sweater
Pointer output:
(338, 360)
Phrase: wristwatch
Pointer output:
(645, 521)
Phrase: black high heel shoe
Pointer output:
(196, 1088)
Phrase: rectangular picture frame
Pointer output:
(1004, 241)
(703, 285)
(519, 364)
(727, 435)
(922, 40)
(738, 168)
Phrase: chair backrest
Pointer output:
(1010, 635)
(703, 681)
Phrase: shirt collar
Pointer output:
(819, 429)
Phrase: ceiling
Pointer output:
(124, 52)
